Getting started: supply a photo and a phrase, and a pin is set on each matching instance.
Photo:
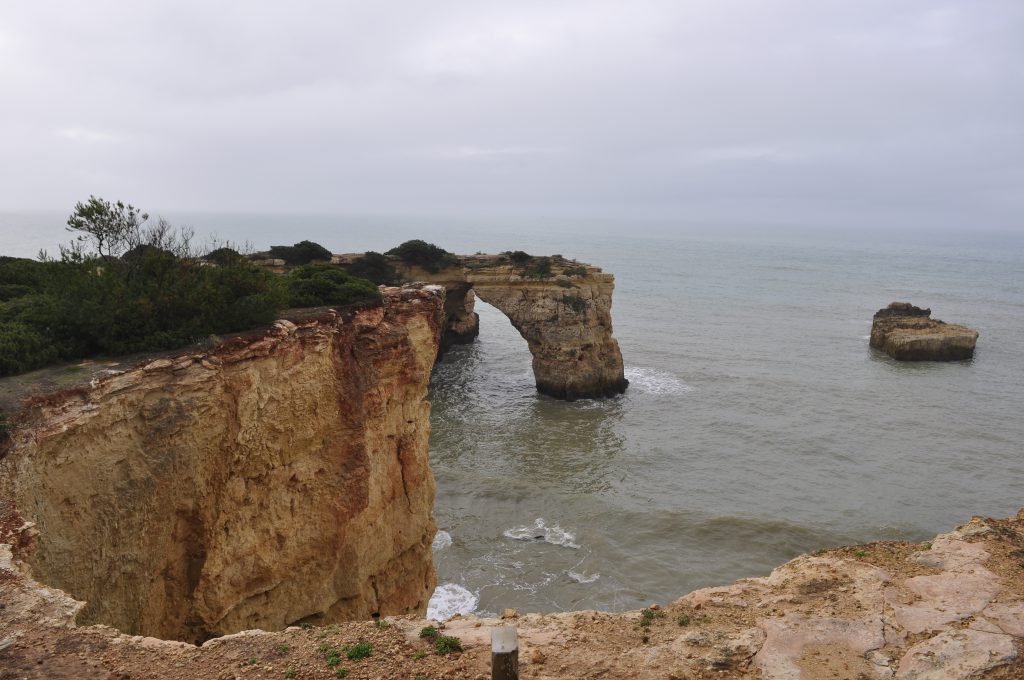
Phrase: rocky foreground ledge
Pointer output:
(908, 333)
(951, 608)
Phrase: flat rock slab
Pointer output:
(908, 333)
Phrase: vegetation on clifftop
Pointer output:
(124, 285)
(422, 254)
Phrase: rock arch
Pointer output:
(564, 315)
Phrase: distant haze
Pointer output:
(874, 112)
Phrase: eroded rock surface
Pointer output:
(908, 333)
(564, 315)
(280, 478)
(839, 614)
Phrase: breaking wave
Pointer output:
(539, 531)
(655, 381)
(450, 599)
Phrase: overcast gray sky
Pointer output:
(890, 112)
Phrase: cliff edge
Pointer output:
(280, 478)
(949, 609)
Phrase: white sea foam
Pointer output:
(655, 381)
(865, 337)
(541, 532)
(450, 599)
(582, 578)
(442, 539)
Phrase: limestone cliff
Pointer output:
(280, 478)
(908, 333)
(563, 313)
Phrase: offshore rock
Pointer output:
(564, 313)
(280, 478)
(908, 333)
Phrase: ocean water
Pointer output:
(758, 424)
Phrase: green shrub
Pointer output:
(9, 291)
(360, 650)
(423, 254)
(429, 633)
(302, 252)
(223, 257)
(540, 268)
(575, 271)
(324, 284)
(374, 267)
(518, 256)
(23, 349)
(575, 303)
(446, 645)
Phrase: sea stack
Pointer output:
(908, 333)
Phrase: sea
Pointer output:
(758, 424)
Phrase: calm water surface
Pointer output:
(758, 423)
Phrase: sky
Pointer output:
(885, 113)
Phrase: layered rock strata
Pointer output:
(280, 478)
(949, 609)
(564, 317)
(908, 333)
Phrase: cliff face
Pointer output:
(565, 319)
(278, 479)
(908, 333)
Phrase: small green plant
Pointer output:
(540, 268)
(290, 673)
(324, 647)
(419, 654)
(575, 303)
(646, 616)
(860, 553)
(429, 633)
(575, 271)
(341, 672)
(252, 661)
(683, 620)
(420, 676)
(333, 657)
(381, 624)
(446, 645)
(360, 650)
(282, 649)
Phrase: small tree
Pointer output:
(113, 228)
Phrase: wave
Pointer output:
(450, 599)
(655, 381)
(442, 539)
(582, 578)
(555, 535)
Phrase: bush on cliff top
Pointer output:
(374, 267)
(423, 254)
(300, 253)
(324, 284)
